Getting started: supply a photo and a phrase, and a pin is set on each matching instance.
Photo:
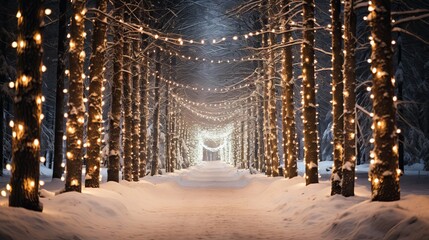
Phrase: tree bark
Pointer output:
(58, 170)
(384, 172)
(272, 109)
(2, 162)
(349, 162)
(144, 114)
(128, 114)
(136, 101)
(95, 119)
(24, 181)
(76, 110)
(155, 135)
(168, 163)
(116, 108)
(311, 157)
(337, 98)
(287, 99)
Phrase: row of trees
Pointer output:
(384, 173)
(129, 99)
(141, 66)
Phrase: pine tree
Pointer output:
(287, 99)
(337, 97)
(155, 145)
(349, 162)
(57, 171)
(384, 172)
(116, 108)
(95, 120)
(309, 96)
(76, 107)
(28, 99)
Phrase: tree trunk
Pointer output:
(242, 158)
(349, 162)
(128, 114)
(337, 98)
(173, 134)
(168, 163)
(384, 173)
(144, 114)
(155, 145)
(24, 181)
(116, 108)
(2, 162)
(272, 116)
(309, 96)
(76, 112)
(95, 119)
(250, 132)
(287, 99)
(57, 171)
(136, 101)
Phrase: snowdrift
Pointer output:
(216, 201)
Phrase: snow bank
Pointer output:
(216, 201)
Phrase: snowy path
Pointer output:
(215, 204)
(217, 201)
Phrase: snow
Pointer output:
(213, 200)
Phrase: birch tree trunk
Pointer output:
(24, 181)
(95, 120)
(349, 161)
(337, 98)
(311, 155)
(116, 106)
(384, 172)
(76, 110)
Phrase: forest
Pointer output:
(162, 99)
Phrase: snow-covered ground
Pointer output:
(216, 201)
